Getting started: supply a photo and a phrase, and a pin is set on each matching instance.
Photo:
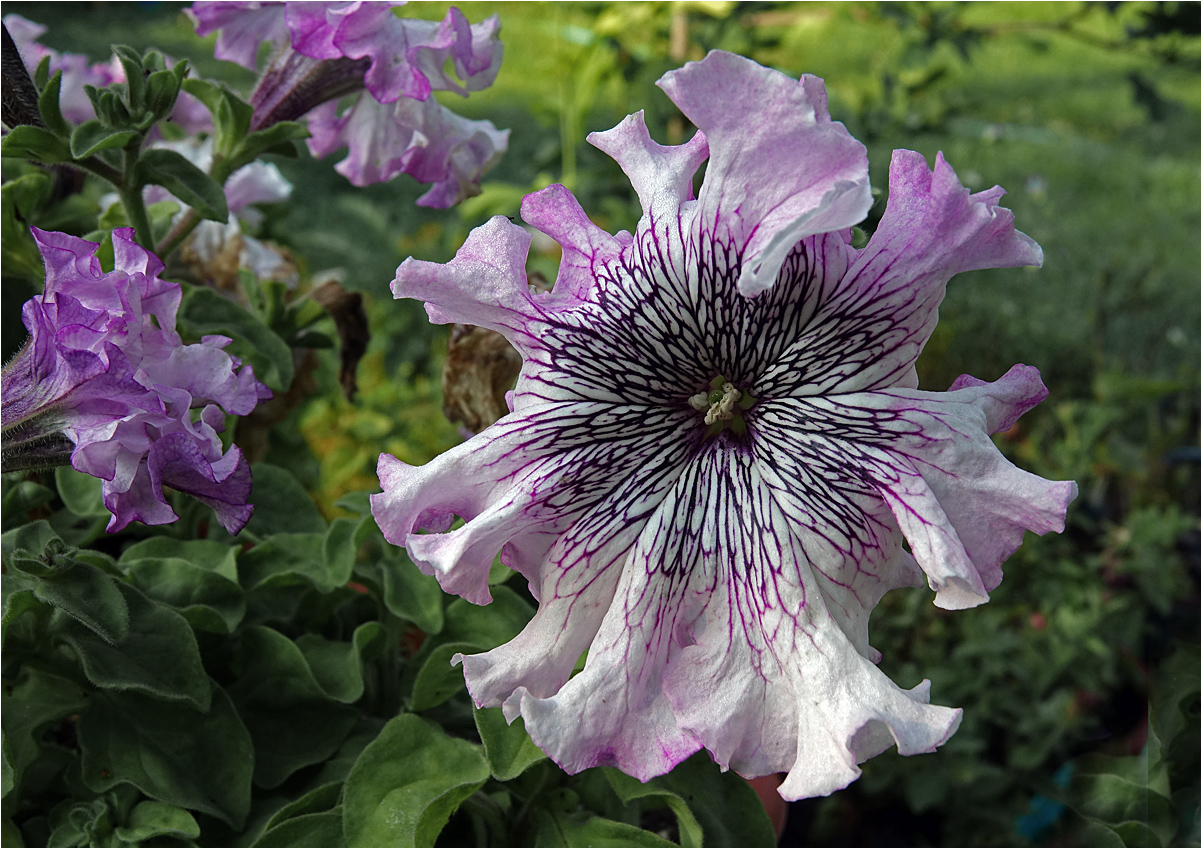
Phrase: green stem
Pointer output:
(175, 237)
(130, 193)
(100, 168)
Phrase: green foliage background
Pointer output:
(1079, 681)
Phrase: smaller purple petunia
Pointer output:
(328, 50)
(717, 445)
(105, 382)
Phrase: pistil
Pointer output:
(723, 404)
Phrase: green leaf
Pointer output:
(282, 506)
(438, 680)
(88, 596)
(508, 748)
(489, 626)
(30, 705)
(80, 493)
(21, 200)
(19, 600)
(206, 92)
(338, 666)
(286, 559)
(207, 554)
(207, 600)
(316, 801)
(32, 537)
(52, 115)
(712, 808)
(28, 142)
(579, 829)
(162, 90)
(155, 819)
(288, 715)
(135, 78)
(407, 783)
(263, 141)
(191, 185)
(21, 497)
(338, 550)
(324, 829)
(170, 751)
(158, 656)
(410, 594)
(469, 629)
(92, 136)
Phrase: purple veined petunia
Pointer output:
(717, 445)
(327, 51)
(105, 382)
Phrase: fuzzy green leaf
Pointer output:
(320, 830)
(562, 829)
(170, 751)
(28, 142)
(407, 783)
(80, 493)
(338, 666)
(158, 655)
(288, 715)
(712, 808)
(33, 702)
(89, 597)
(52, 115)
(207, 600)
(155, 819)
(508, 748)
(91, 137)
(282, 506)
(191, 185)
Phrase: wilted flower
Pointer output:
(329, 50)
(105, 379)
(716, 445)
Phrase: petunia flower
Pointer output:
(717, 445)
(105, 382)
(331, 50)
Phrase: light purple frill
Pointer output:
(721, 583)
(105, 366)
(397, 126)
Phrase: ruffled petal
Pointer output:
(105, 368)
(408, 57)
(240, 27)
(872, 330)
(509, 489)
(779, 170)
(662, 176)
(420, 138)
(961, 505)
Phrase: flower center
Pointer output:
(723, 404)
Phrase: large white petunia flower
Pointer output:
(717, 445)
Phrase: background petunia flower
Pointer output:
(708, 492)
(105, 375)
(329, 50)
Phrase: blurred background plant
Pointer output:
(1079, 681)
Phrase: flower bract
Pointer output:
(105, 370)
(717, 444)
